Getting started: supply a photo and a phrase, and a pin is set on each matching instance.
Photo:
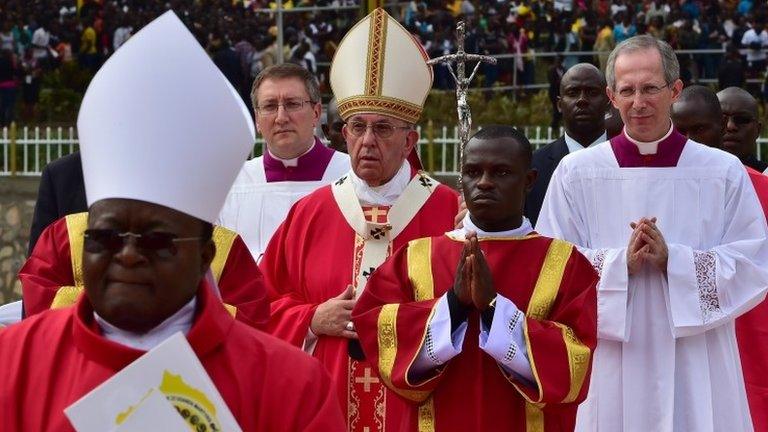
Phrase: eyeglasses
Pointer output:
(292, 105)
(647, 90)
(380, 130)
(738, 119)
(160, 244)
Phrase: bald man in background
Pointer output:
(742, 126)
(583, 104)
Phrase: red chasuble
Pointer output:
(52, 359)
(52, 276)
(752, 336)
(547, 279)
(311, 258)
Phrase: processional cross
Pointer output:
(461, 58)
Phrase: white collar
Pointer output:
(180, 321)
(574, 145)
(524, 229)
(293, 161)
(386, 194)
(649, 147)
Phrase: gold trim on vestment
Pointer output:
(387, 338)
(427, 416)
(548, 283)
(379, 104)
(76, 225)
(374, 66)
(231, 309)
(420, 268)
(578, 361)
(223, 238)
(66, 296)
(542, 299)
(534, 418)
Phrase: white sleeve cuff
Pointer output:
(505, 341)
(439, 344)
(310, 342)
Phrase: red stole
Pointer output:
(752, 335)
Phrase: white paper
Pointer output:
(153, 414)
(10, 313)
(172, 368)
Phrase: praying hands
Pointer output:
(473, 284)
(646, 244)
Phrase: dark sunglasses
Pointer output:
(160, 244)
(739, 119)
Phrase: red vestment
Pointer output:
(52, 359)
(309, 260)
(553, 284)
(52, 273)
(752, 335)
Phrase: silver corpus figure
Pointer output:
(461, 58)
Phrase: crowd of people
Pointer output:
(241, 36)
(331, 290)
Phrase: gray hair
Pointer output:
(669, 61)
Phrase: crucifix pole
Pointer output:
(461, 58)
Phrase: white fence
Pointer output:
(25, 151)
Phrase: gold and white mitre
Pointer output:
(160, 123)
(380, 68)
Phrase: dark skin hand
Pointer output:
(473, 284)
(646, 244)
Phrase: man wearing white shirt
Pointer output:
(286, 101)
(583, 104)
(677, 234)
(500, 320)
(41, 40)
(756, 39)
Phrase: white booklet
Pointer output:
(154, 414)
(171, 369)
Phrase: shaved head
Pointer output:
(583, 103)
(740, 96)
(583, 70)
(703, 97)
(697, 115)
(742, 123)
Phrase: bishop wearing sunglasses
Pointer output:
(157, 169)
(52, 277)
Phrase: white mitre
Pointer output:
(160, 123)
(380, 68)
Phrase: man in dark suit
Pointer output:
(61, 192)
(583, 104)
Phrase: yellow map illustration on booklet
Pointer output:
(192, 404)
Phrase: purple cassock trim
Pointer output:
(668, 153)
(309, 167)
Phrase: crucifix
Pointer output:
(461, 58)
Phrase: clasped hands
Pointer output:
(334, 316)
(646, 244)
(473, 283)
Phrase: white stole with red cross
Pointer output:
(375, 229)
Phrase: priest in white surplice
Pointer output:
(677, 234)
(286, 102)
